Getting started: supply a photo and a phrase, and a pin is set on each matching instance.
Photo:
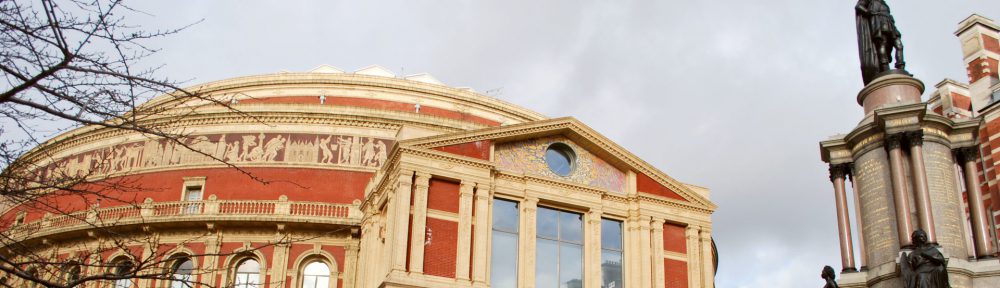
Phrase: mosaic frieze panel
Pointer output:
(528, 157)
(235, 148)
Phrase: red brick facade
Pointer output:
(478, 149)
(441, 249)
(648, 185)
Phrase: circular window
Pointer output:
(560, 158)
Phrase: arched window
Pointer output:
(122, 268)
(71, 272)
(316, 275)
(248, 274)
(181, 273)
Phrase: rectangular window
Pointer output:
(194, 188)
(611, 254)
(503, 271)
(559, 249)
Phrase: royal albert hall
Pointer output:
(368, 179)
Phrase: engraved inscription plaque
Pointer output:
(946, 204)
(877, 211)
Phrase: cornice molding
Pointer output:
(585, 136)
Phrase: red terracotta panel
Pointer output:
(676, 273)
(991, 44)
(440, 253)
(338, 255)
(646, 184)
(673, 238)
(443, 195)
(477, 149)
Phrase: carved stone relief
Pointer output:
(235, 148)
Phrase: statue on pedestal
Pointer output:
(925, 267)
(877, 38)
(829, 276)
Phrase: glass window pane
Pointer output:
(503, 272)
(309, 282)
(317, 269)
(547, 264)
(570, 266)
(505, 216)
(611, 269)
(249, 266)
(323, 282)
(571, 227)
(548, 225)
(611, 234)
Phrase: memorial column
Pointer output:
(837, 174)
(862, 252)
(980, 230)
(904, 226)
(922, 192)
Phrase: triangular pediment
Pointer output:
(518, 147)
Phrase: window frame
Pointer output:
(518, 203)
(198, 181)
(620, 250)
(582, 244)
(234, 265)
(301, 271)
(176, 261)
(236, 272)
(116, 268)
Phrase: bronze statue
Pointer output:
(829, 275)
(925, 267)
(877, 38)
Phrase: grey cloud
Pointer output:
(733, 95)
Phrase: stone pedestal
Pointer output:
(889, 90)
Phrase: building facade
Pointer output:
(364, 179)
(923, 165)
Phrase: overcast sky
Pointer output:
(733, 95)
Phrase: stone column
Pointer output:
(592, 249)
(351, 268)
(707, 264)
(980, 229)
(837, 173)
(921, 191)
(645, 252)
(632, 268)
(659, 278)
(904, 226)
(279, 262)
(418, 234)
(863, 254)
(481, 233)
(526, 258)
(464, 230)
(693, 249)
(400, 221)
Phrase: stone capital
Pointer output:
(691, 232)
(893, 141)
(838, 171)
(705, 234)
(915, 137)
(968, 153)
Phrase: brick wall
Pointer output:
(440, 254)
(673, 238)
(648, 185)
(675, 273)
(478, 149)
(443, 195)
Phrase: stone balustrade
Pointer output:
(210, 210)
